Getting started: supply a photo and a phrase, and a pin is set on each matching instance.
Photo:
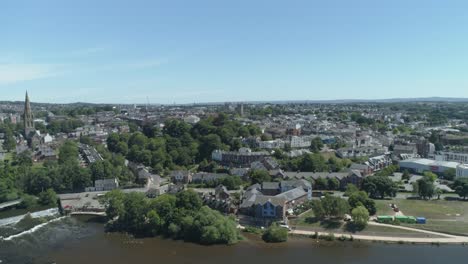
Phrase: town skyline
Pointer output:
(434, 99)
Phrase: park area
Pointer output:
(442, 215)
(307, 221)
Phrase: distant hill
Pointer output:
(336, 101)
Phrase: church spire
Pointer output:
(28, 117)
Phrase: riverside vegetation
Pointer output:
(180, 216)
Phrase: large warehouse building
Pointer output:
(422, 165)
(462, 171)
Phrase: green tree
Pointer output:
(317, 208)
(426, 188)
(430, 176)
(154, 223)
(406, 175)
(28, 201)
(114, 204)
(361, 198)
(379, 186)
(48, 197)
(208, 144)
(350, 189)
(259, 176)
(275, 234)
(23, 159)
(450, 174)
(313, 162)
(360, 217)
(321, 184)
(68, 152)
(316, 145)
(334, 207)
(189, 200)
(9, 143)
(461, 188)
(333, 184)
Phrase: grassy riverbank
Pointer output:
(442, 216)
(308, 222)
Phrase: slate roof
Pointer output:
(270, 185)
(296, 183)
(293, 194)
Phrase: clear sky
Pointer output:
(243, 50)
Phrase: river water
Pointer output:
(72, 240)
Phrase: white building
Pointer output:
(47, 138)
(192, 119)
(103, 185)
(300, 142)
(451, 156)
(271, 144)
(422, 165)
(462, 171)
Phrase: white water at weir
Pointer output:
(16, 219)
(34, 229)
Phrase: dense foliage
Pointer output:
(180, 217)
(379, 186)
(314, 162)
(20, 176)
(330, 207)
(179, 143)
(231, 183)
(360, 198)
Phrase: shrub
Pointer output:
(275, 234)
(48, 197)
(329, 237)
(28, 201)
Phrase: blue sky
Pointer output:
(211, 51)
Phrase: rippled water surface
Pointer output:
(73, 240)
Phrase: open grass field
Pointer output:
(308, 222)
(442, 216)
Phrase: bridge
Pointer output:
(88, 213)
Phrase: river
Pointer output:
(72, 240)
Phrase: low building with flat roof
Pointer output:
(462, 171)
(422, 165)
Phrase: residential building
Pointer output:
(267, 203)
(104, 185)
(243, 157)
(361, 152)
(202, 177)
(182, 176)
(404, 149)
